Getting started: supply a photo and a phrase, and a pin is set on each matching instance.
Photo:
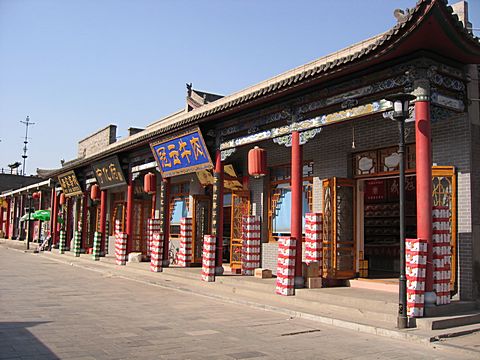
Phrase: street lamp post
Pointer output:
(401, 103)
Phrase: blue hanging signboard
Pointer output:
(184, 153)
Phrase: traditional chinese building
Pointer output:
(330, 150)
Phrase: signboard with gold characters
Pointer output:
(108, 173)
(69, 184)
(184, 153)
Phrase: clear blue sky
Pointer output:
(76, 66)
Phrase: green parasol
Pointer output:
(43, 215)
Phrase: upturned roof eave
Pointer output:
(332, 66)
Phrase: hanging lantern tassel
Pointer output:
(149, 183)
(257, 162)
(95, 192)
(62, 199)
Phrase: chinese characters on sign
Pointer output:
(375, 190)
(393, 188)
(69, 184)
(108, 173)
(182, 154)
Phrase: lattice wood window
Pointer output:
(389, 159)
(382, 161)
(365, 163)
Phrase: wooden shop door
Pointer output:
(93, 224)
(338, 228)
(201, 224)
(141, 212)
(240, 208)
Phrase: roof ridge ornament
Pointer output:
(401, 15)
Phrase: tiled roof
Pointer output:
(282, 82)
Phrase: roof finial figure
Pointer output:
(189, 89)
(401, 15)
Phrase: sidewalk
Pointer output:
(363, 310)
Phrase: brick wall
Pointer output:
(331, 151)
(451, 146)
(97, 141)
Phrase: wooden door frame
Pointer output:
(332, 183)
(195, 198)
(241, 194)
(449, 171)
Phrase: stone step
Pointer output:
(447, 322)
(389, 285)
(362, 299)
(455, 307)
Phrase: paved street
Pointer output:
(51, 310)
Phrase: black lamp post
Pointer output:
(400, 104)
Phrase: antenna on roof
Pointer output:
(27, 123)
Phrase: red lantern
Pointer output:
(149, 183)
(62, 199)
(36, 195)
(95, 192)
(257, 162)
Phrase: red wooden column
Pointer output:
(52, 203)
(84, 219)
(7, 220)
(424, 176)
(103, 219)
(70, 228)
(296, 211)
(129, 225)
(55, 217)
(219, 175)
(165, 192)
(1, 218)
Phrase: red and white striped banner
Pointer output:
(442, 254)
(416, 264)
(185, 249)
(286, 266)
(208, 258)
(153, 226)
(156, 255)
(313, 238)
(120, 245)
(251, 229)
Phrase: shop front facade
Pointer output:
(331, 148)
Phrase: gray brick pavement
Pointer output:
(50, 310)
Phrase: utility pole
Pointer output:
(27, 123)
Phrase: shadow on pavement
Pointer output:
(17, 342)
